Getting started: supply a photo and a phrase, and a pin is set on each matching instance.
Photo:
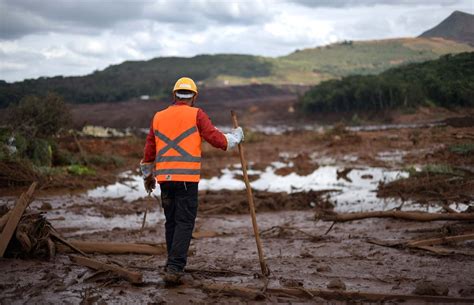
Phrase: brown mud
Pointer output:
(300, 250)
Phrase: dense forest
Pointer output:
(447, 81)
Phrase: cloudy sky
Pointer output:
(76, 37)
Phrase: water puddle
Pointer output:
(282, 129)
(356, 193)
(98, 223)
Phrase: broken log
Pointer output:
(68, 244)
(253, 293)
(417, 216)
(4, 219)
(441, 240)
(15, 217)
(131, 276)
(114, 248)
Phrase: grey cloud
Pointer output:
(22, 17)
(83, 12)
(346, 3)
(15, 23)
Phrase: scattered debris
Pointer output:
(427, 244)
(15, 217)
(342, 174)
(257, 294)
(417, 216)
(115, 248)
(131, 276)
(217, 202)
(286, 231)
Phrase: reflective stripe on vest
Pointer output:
(178, 144)
(185, 156)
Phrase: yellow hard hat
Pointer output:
(185, 83)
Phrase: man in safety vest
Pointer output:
(172, 157)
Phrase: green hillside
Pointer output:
(310, 66)
(447, 82)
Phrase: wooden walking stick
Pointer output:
(263, 265)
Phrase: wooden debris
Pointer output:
(417, 216)
(65, 242)
(217, 272)
(15, 217)
(131, 276)
(445, 251)
(4, 219)
(252, 293)
(285, 231)
(205, 234)
(144, 219)
(427, 244)
(442, 240)
(342, 174)
(114, 248)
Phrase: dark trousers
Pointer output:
(180, 203)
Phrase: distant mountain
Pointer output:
(459, 26)
(154, 78)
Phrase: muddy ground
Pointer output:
(300, 249)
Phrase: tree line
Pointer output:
(447, 82)
(132, 79)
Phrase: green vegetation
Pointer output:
(434, 169)
(30, 127)
(135, 78)
(27, 143)
(80, 170)
(155, 77)
(448, 81)
(462, 149)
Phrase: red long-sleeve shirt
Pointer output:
(206, 129)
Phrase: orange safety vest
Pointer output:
(178, 144)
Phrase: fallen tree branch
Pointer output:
(114, 248)
(427, 244)
(131, 276)
(442, 240)
(15, 217)
(444, 251)
(417, 216)
(253, 293)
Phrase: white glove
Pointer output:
(235, 137)
(146, 168)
